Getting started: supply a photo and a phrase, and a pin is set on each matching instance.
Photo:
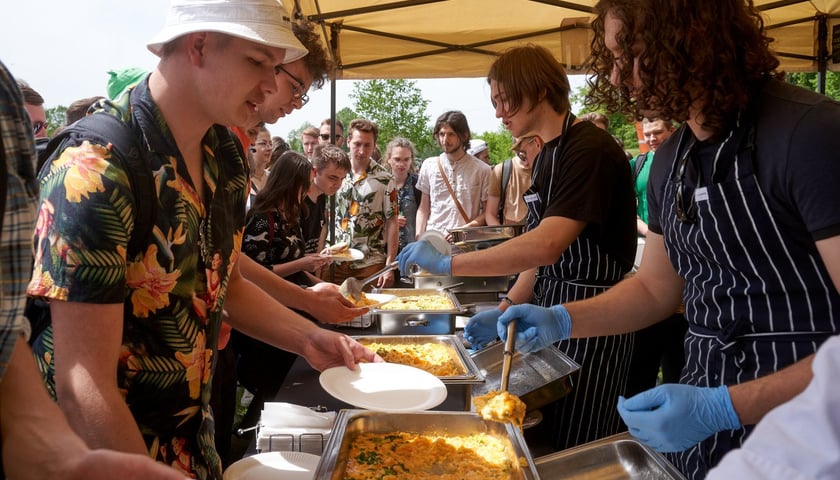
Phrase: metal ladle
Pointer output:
(351, 288)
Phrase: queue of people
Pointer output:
(137, 355)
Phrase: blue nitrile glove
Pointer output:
(481, 329)
(423, 254)
(674, 417)
(536, 327)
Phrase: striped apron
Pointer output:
(755, 304)
(583, 270)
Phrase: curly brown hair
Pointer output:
(687, 52)
(317, 62)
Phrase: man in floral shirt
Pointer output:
(366, 208)
(132, 347)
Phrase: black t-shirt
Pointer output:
(312, 222)
(589, 179)
(796, 163)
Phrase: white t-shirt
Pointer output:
(469, 178)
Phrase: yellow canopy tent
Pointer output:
(460, 38)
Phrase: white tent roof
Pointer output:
(460, 38)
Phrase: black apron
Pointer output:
(749, 307)
(589, 411)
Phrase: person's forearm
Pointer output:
(392, 239)
(288, 268)
(541, 246)
(248, 306)
(522, 290)
(98, 413)
(753, 399)
(422, 215)
(282, 290)
(653, 294)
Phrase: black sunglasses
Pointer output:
(299, 90)
(38, 126)
(686, 208)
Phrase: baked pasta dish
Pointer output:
(363, 300)
(420, 302)
(410, 456)
(500, 407)
(434, 358)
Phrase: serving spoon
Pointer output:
(351, 287)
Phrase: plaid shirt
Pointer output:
(18, 156)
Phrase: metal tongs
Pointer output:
(508, 355)
(351, 288)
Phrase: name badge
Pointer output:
(701, 194)
(531, 198)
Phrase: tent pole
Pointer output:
(822, 51)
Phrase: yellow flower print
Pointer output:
(197, 363)
(150, 283)
(354, 208)
(42, 285)
(86, 167)
(180, 185)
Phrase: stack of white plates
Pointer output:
(273, 466)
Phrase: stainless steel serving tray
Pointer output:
(617, 457)
(471, 375)
(424, 279)
(417, 322)
(352, 422)
(493, 233)
(538, 378)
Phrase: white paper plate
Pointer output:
(384, 387)
(274, 465)
(379, 298)
(355, 254)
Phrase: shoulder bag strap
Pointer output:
(451, 193)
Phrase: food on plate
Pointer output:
(434, 358)
(500, 407)
(412, 456)
(340, 250)
(363, 300)
(430, 302)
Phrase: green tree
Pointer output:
(294, 136)
(620, 126)
(56, 117)
(498, 144)
(399, 109)
(346, 115)
(809, 80)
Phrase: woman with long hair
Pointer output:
(272, 232)
(399, 156)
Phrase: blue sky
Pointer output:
(64, 49)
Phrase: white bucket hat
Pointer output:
(262, 21)
(477, 146)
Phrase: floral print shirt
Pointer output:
(363, 204)
(269, 239)
(173, 290)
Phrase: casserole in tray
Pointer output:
(509, 460)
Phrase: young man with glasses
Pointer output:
(326, 129)
(517, 171)
(744, 228)
(134, 339)
(33, 102)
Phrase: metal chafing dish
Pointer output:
(538, 378)
(352, 422)
(616, 457)
(417, 322)
(458, 388)
(468, 239)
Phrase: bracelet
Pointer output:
(507, 300)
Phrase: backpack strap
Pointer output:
(105, 128)
(640, 163)
(507, 166)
